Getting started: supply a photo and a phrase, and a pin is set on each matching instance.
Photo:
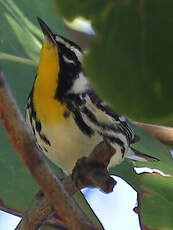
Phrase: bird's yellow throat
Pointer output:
(48, 109)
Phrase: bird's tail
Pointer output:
(136, 155)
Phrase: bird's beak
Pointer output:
(46, 31)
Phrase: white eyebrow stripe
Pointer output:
(67, 60)
(59, 39)
(72, 48)
(77, 52)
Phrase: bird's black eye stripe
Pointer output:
(69, 54)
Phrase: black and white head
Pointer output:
(71, 77)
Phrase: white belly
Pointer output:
(68, 144)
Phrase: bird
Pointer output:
(66, 114)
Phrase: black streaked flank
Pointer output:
(31, 111)
(33, 129)
(82, 125)
(45, 149)
(75, 109)
(44, 138)
(66, 114)
(30, 105)
(40, 147)
(38, 126)
(35, 124)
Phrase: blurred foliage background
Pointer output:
(129, 62)
(132, 55)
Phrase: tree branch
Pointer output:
(94, 174)
(24, 143)
(162, 133)
(92, 171)
(37, 212)
(53, 223)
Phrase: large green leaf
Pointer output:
(155, 202)
(132, 55)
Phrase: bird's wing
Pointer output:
(95, 114)
(105, 114)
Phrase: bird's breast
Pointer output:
(48, 109)
(67, 143)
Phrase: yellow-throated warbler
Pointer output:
(64, 112)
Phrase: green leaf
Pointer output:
(156, 203)
(132, 54)
(13, 58)
(20, 36)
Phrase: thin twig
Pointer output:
(40, 208)
(24, 143)
(162, 133)
(13, 58)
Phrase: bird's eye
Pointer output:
(68, 60)
(69, 54)
(68, 57)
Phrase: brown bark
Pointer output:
(162, 133)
